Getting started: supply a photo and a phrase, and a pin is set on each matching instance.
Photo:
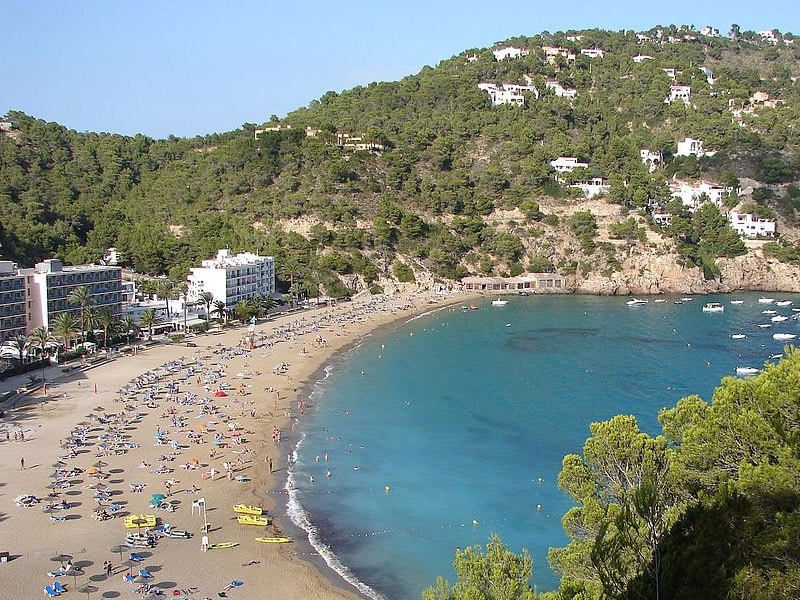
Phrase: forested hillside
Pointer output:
(425, 175)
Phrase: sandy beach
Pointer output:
(188, 423)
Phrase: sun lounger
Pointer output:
(57, 518)
(59, 573)
(135, 557)
(145, 573)
(129, 577)
(58, 587)
(49, 591)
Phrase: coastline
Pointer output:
(266, 571)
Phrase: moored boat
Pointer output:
(635, 302)
(737, 301)
(746, 370)
(783, 336)
(499, 302)
(763, 300)
(738, 336)
(783, 303)
(713, 307)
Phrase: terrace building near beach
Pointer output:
(231, 278)
(533, 282)
(50, 283)
(13, 314)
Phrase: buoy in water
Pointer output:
(474, 522)
(387, 489)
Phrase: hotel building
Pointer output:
(232, 278)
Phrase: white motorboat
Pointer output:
(659, 300)
(737, 301)
(738, 336)
(783, 336)
(783, 303)
(713, 307)
(635, 302)
(746, 370)
(766, 300)
(768, 312)
(779, 318)
(764, 325)
(687, 299)
(499, 302)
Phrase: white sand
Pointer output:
(178, 566)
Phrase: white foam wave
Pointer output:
(300, 517)
(433, 311)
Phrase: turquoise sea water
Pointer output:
(453, 426)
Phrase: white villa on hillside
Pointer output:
(508, 93)
(508, 52)
(691, 195)
(690, 146)
(652, 158)
(750, 226)
(560, 90)
(641, 58)
(566, 164)
(592, 52)
(679, 92)
(596, 186)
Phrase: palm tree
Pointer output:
(149, 319)
(129, 327)
(65, 327)
(41, 339)
(207, 298)
(219, 309)
(267, 302)
(90, 315)
(18, 344)
(106, 320)
(164, 289)
(82, 297)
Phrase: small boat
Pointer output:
(635, 302)
(769, 312)
(273, 540)
(737, 301)
(783, 336)
(713, 307)
(246, 509)
(738, 336)
(783, 303)
(473, 307)
(746, 370)
(687, 298)
(659, 300)
(764, 325)
(499, 302)
(776, 356)
(763, 300)
(221, 545)
(252, 520)
(779, 319)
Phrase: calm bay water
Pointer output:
(433, 435)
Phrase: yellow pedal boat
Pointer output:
(248, 510)
(252, 520)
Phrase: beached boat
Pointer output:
(246, 509)
(713, 307)
(499, 302)
(783, 336)
(252, 520)
(763, 300)
(738, 336)
(746, 370)
(635, 302)
(273, 540)
(221, 545)
(737, 301)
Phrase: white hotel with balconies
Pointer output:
(231, 278)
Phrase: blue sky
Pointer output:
(162, 67)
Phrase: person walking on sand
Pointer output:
(22, 464)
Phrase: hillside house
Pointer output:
(592, 52)
(693, 195)
(709, 31)
(596, 186)
(567, 164)
(508, 52)
(751, 226)
(552, 52)
(652, 158)
(670, 72)
(680, 93)
(508, 93)
(560, 90)
(692, 147)
(641, 58)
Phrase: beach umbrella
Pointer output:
(87, 589)
(158, 497)
(139, 522)
(61, 558)
(220, 394)
(119, 548)
(74, 573)
(100, 464)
